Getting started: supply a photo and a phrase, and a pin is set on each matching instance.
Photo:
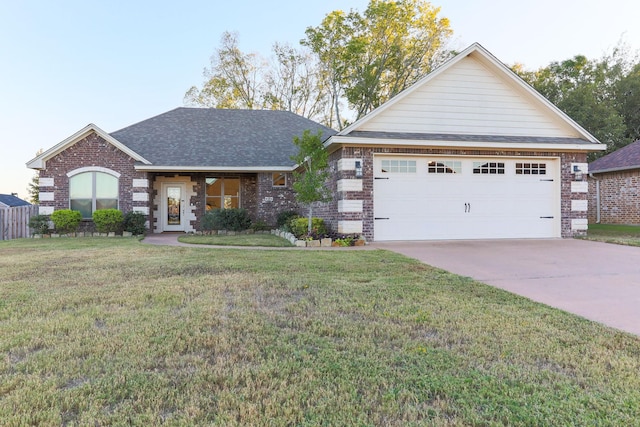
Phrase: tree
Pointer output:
(233, 81)
(371, 57)
(313, 160)
(34, 189)
(585, 90)
(293, 83)
(628, 102)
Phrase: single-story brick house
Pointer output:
(469, 151)
(614, 187)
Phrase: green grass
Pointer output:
(268, 240)
(114, 332)
(615, 233)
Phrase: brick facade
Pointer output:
(619, 197)
(333, 217)
(140, 190)
(91, 151)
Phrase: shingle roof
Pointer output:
(465, 137)
(11, 201)
(628, 157)
(208, 137)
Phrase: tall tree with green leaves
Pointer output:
(586, 91)
(373, 56)
(313, 162)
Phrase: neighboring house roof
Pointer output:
(627, 157)
(9, 200)
(208, 138)
(472, 100)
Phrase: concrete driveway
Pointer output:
(595, 280)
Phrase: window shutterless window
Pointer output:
(222, 193)
(90, 191)
(279, 179)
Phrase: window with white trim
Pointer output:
(444, 166)
(398, 166)
(93, 190)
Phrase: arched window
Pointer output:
(93, 190)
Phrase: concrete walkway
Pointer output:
(598, 281)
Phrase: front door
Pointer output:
(173, 206)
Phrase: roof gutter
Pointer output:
(253, 169)
(344, 140)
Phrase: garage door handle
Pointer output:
(380, 218)
(380, 177)
(548, 180)
(546, 217)
(467, 207)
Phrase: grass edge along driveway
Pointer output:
(112, 332)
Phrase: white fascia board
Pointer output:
(151, 168)
(39, 162)
(466, 144)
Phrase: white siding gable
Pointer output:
(470, 98)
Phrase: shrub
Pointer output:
(107, 220)
(299, 227)
(226, 219)
(39, 224)
(260, 225)
(66, 221)
(284, 219)
(134, 223)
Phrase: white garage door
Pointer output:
(423, 198)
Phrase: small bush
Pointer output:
(226, 219)
(134, 223)
(260, 225)
(284, 219)
(39, 224)
(299, 227)
(66, 221)
(108, 220)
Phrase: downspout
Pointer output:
(597, 198)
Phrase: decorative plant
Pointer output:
(108, 220)
(313, 160)
(134, 223)
(39, 224)
(226, 219)
(299, 227)
(66, 221)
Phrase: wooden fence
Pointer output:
(14, 222)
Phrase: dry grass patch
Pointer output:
(267, 240)
(97, 331)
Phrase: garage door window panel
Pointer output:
(488, 168)
(444, 166)
(531, 169)
(398, 166)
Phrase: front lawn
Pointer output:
(615, 233)
(114, 332)
(268, 240)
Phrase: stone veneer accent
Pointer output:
(572, 221)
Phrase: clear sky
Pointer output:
(67, 63)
